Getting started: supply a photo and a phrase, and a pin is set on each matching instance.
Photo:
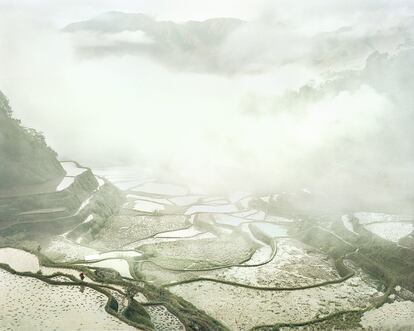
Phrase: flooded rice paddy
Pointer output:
(19, 260)
(237, 263)
(30, 304)
(250, 307)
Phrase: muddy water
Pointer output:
(19, 260)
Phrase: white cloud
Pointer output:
(220, 130)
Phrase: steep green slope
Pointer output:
(25, 159)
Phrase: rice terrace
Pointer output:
(186, 165)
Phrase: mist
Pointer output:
(294, 97)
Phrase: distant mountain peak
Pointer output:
(192, 44)
(119, 21)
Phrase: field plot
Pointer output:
(294, 265)
(19, 260)
(348, 224)
(396, 315)
(67, 271)
(113, 255)
(119, 265)
(163, 320)
(228, 219)
(64, 250)
(271, 230)
(72, 170)
(162, 189)
(237, 264)
(203, 253)
(162, 277)
(242, 308)
(186, 233)
(151, 205)
(211, 208)
(162, 201)
(124, 177)
(148, 206)
(124, 229)
(391, 227)
(186, 200)
(23, 261)
(367, 218)
(391, 231)
(164, 237)
(29, 304)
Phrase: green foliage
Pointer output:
(113, 304)
(26, 158)
(136, 313)
(5, 106)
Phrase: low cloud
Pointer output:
(281, 103)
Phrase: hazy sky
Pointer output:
(324, 13)
(294, 89)
(66, 11)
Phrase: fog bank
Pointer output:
(296, 96)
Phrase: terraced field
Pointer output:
(30, 304)
(170, 259)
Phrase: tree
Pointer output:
(5, 105)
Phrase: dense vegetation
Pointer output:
(25, 157)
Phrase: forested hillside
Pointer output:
(25, 158)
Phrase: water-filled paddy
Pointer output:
(125, 231)
(293, 265)
(272, 230)
(72, 169)
(30, 304)
(251, 307)
(161, 201)
(368, 217)
(195, 254)
(163, 320)
(392, 231)
(190, 232)
(217, 209)
(124, 177)
(147, 206)
(113, 255)
(221, 240)
(229, 219)
(119, 265)
(185, 200)
(161, 189)
(64, 250)
(396, 315)
(65, 183)
(19, 260)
